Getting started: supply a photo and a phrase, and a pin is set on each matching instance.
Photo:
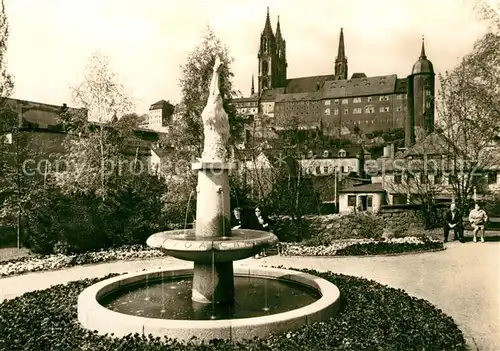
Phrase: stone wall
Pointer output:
(389, 222)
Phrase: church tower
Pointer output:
(272, 58)
(341, 60)
(268, 61)
(420, 97)
(281, 56)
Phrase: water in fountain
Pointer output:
(254, 297)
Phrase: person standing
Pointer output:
(478, 219)
(453, 220)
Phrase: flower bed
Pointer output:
(372, 317)
(59, 261)
(362, 247)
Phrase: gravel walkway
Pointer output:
(463, 281)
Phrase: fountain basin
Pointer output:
(92, 315)
(183, 244)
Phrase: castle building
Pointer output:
(335, 103)
(159, 115)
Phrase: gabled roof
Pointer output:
(358, 75)
(365, 188)
(159, 105)
(360, 87)
(350, 152)
(316, 95)
(306, 84)
(401, 86)
(434, 144)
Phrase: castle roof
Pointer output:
(306, 84)
(423, 65)
(379, 85)
(316, 95)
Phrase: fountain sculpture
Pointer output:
(213, 247)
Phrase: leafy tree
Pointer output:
(195, 81)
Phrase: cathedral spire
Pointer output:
(422, 51)
(253, 87)
(268, 29)
(278, 30)
(341, 53)
(341, 60)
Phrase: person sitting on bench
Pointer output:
(453, 220)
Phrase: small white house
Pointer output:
(366, 197)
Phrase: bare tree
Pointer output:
(422, 183)
(93, 151)
(468, 112)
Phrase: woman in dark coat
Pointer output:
(261, 222)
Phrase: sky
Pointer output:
(147, 41)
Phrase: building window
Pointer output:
(428, 104)
(327, 112)
(492, 177)
(398, 109)
(423, 178)
(336, 112)
(327, 102)
(356, 110)
(310, 154)
(346, 111)
(384, 98)
(326, 153)
(342, 153)
(427, 92)
(369, 99)
(384, 109)
(351, 200)
(438, 178)
(318, 169)
(399, 199)
(398, 179)
(369, 109)
(336, 101)
(399, 97)
(325, 169)
(369, 201)
(345, 101)
(356, 100)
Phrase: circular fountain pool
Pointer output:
(101, 307)
(171, 299)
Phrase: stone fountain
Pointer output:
(212, 247)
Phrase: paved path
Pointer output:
(463, 281)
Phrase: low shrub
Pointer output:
(58, 261)
(359, 225)
(357, 247)
(387, 248)
(373, 317)
(77, 223)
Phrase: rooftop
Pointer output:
(365, 188)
